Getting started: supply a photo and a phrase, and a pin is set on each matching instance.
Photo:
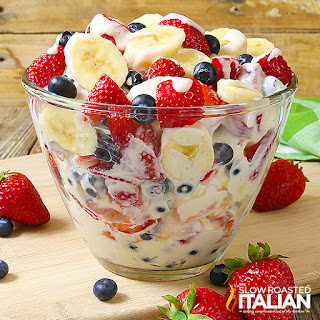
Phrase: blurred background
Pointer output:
(28, 28)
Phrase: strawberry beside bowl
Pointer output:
(160, 200)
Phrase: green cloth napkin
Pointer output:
(301, 136)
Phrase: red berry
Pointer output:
(149, 137)
(104, 91)
(263, 275)
(210, 96)
(164, 67)
(194, 38)
(20, 201)
(46, 67)
(175, 107)
(276, 67)
(284, 184)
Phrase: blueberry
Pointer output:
(135, 26)
(206, 73)
(161, 209)
(6, 227)
(217, 277)
(105, 289)
(223, 153)
(235, 172)
(184, 189)
(92, 192)
(244, 58)
(106, 150)
(146, 236)
(154, 189)
(145, 111)
(132, 246)
(64, 38)
(4, 269)
(214, 43)
(62, 86)
(193, 252)
(133, 78)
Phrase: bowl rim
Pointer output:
(219, 110)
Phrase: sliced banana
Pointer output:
(149, 19)
(232, 41)
(258, 46)
(189, 58)
(234, 91)
(67, 130)
(88, 56)
(186, 153)
(149, 44)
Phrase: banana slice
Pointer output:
(149, 19)
(186, 153)
(189, 58)
(149, 44)
(232, 41)
(88, 56)
(234, 91)
(258, 46)
(67, 130)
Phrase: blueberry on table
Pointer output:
(145, 111)
(223, 153)
(6, 227)
(244, 58)
(206, 73)
(135, 26)
(214, 43)
(133, 78)
(64, 38)
(4, 269)
(62, 86)
(217, 277)
(105, 289)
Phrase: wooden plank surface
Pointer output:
(52, 271)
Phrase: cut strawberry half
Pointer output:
(273, 64)
(194, 38)
(210, 96)
(175, 107)
(105, 91)
(149, 137)
(164, 67)
(47, 66)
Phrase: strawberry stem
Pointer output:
(5, 174)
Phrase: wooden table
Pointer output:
(28, 28)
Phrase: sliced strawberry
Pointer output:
(175, 107)
(85, 161)
(104, 91)
(164, 67)
(100, 169)
(210, 96)
(194, 38)
(227, 67)
(105, 36)
(46, 67)
(149, 137)
(276, 66)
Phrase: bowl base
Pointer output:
(154, 275)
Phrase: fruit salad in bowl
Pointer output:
(158, 135)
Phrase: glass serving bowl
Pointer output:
(160, 212)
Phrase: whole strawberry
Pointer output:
(20, 201)
(199, 304)
(284, 184)
(264, 274)
(47, 66)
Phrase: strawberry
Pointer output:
(104, 91)
(20, 201)
(47, 66)
(203, 302)
(284, 184)
(276, 66)
(265, 273)
(210, 96)
(105, 36)
(175, 107)
(227, 67)
(194, 38)
(149, 137)
(164, 67)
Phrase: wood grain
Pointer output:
(41, 16)
(52, 272)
